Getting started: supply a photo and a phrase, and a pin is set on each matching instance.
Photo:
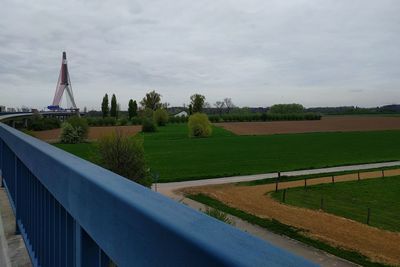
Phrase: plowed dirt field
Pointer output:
(326, 124)
(94, 132)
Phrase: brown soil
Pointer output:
(326, 124)
(379, 245)
(94, 132)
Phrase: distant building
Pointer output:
(11, 110)
(181, 114)
(2, 108)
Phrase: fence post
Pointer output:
(383, 173)
(277, 181)
(333, 179)
(368, 215)
(284, 196)
(358, 176)
(322, 203)
(305, 183)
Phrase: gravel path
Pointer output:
(169, 188)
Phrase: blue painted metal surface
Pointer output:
(74, 213)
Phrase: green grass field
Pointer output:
(177, 157)
(352, 200)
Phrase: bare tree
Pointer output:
(228, 104)
(219, 105)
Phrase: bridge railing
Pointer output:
(73, 213)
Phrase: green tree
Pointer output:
(132, 109)
(197, 102)
(152, 100)
(104, 106)
(113, 110)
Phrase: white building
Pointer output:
(181, 114)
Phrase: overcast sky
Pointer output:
(257, 52)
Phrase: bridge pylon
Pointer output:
(63, 85)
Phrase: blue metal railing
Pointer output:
(73, 213)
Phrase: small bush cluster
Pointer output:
(181, 119)
(160, 117)
(148, 125)
(74, 130)
(124, 156)
(123, 122)
(41, 124)
(136, 121)
(107, 121)
(265, 117)
(69, 134)
(219, 215)
(199, 125)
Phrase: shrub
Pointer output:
(109, 121)
(148, 125)
(160, 117)
(219, 215)
(124, 156)
(123, 122)
(136, 121)
(80, 124)
(39, 123)
(199, 125)
(146, 113)
(69, 134)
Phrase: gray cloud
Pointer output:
(331, 52)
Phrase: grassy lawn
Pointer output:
(177, 157)
(352, 200)
(84, 150)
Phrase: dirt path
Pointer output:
(377, 244)
(326, 124)
(94, 132)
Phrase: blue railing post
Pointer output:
(77, 244)
(1, 162)
(16, 173)
(90, 251)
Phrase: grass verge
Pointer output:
(283, 229)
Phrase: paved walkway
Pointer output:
(13, 251)
(168, 188)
